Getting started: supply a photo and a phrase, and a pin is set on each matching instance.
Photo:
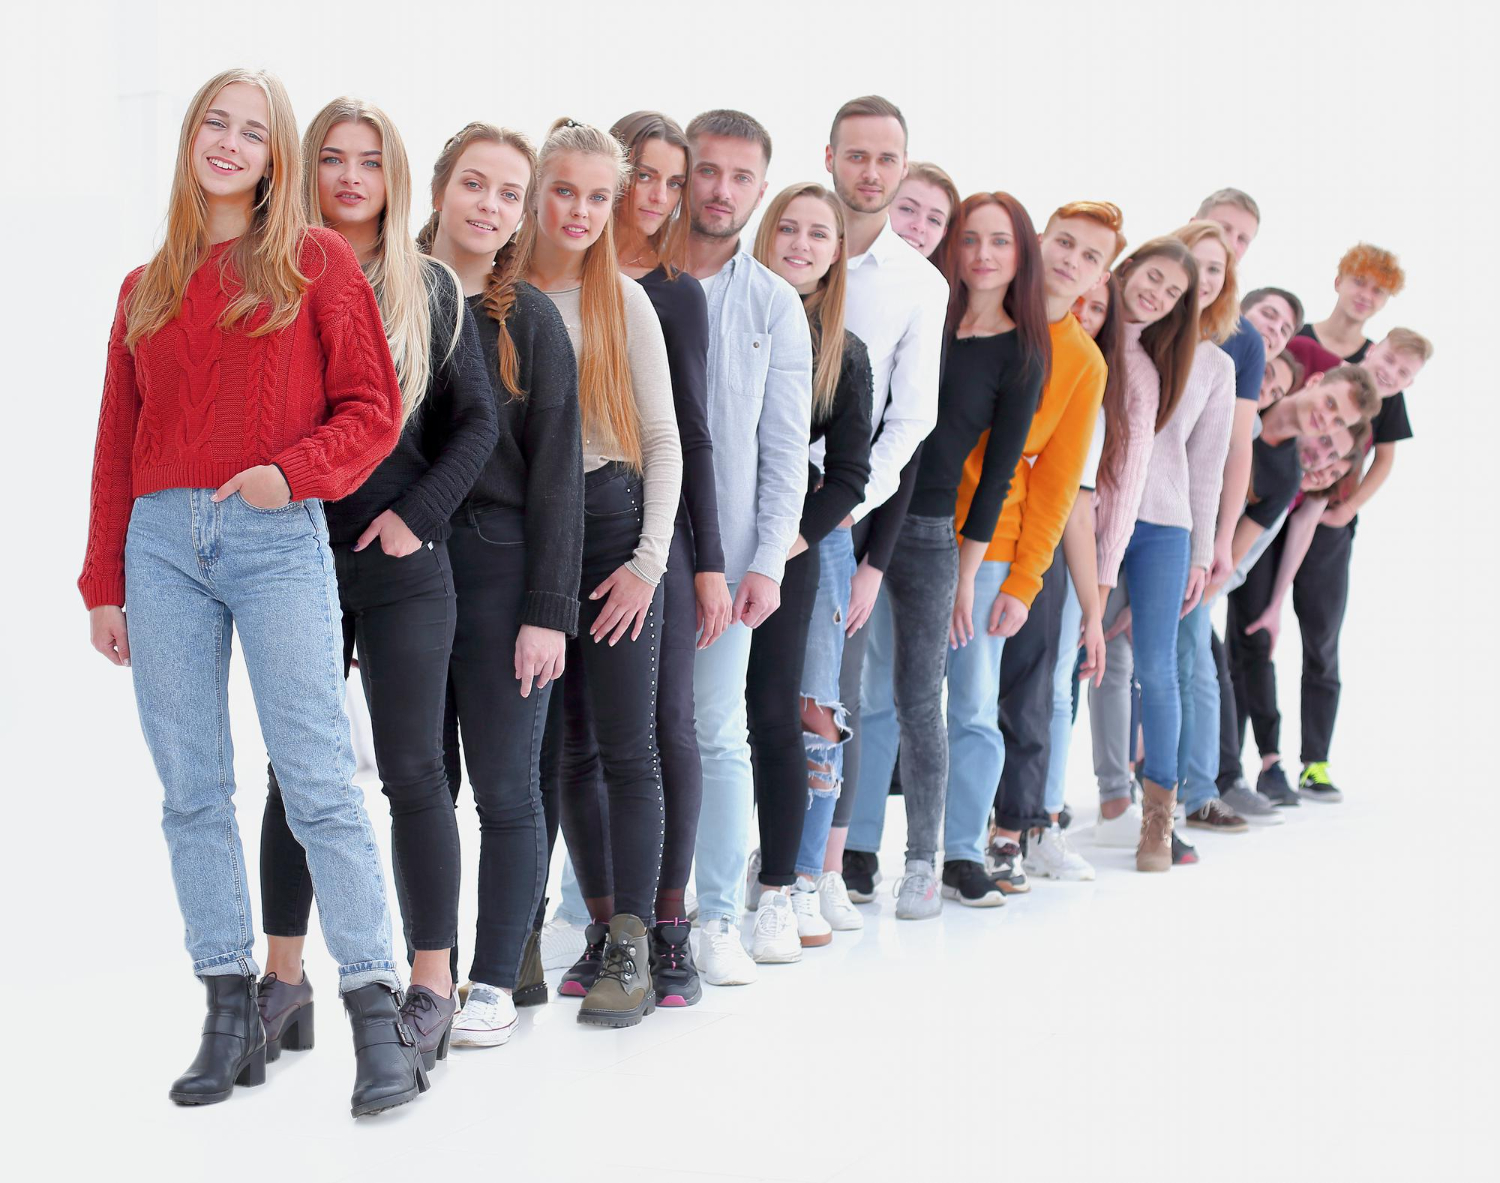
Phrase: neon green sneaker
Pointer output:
(1317, 785)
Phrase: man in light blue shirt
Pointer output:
(759, 413)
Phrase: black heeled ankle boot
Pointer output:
(287, 1012)
(531, 984)
(387, 1064)
(233, 1047)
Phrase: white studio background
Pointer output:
(1347, 121)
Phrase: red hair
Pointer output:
(1375, 264)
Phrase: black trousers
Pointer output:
(773, 707)
(609, 718)
(851, 672)
(1026, 667)
(1320, 594)
(501, 737)
(1231, 739)
(400, 616)
(1250, 664)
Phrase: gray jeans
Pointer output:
(1109, 707)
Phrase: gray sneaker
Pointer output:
(917, 895)
(1252, 806)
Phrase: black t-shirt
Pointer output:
(1390, 425)
(1276, 475)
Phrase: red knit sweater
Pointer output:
(195, 404)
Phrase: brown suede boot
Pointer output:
(1154, 852)
(623, 994)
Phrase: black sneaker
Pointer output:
(1316, 785)
(579, 980)
(672, 968)
(1183, 855)
(1003, 864)
(966, 882)
(1273, 784)
(861, 874)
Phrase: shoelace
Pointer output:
(482, 1003)
(768, 919)
(917, 875)
(668, 957)
(619, 964)
(1317, 774)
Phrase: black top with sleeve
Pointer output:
(833, 494)
(1275, 478)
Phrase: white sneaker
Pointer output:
(917, 895)
(487, 1019)
(752, 880)
(1051, 857)
(690, 905)
(1123, 831)
(834, 903)
(722, 960)
(812, 929)
(775, 937)
(562, 943)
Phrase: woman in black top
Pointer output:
(517, 550)
(801, 238)
(996, 356)
(395, 581)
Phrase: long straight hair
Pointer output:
(825, 307)
(1025, 299)
(1218, 321)
(1111, 342)
(1171, 341)
(261, 269)
(500, 284)
(606, 395)
(397, 271)
(670, 242)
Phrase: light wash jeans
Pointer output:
(723, 844)
(1061, 737)
(1198, 748)
(976, 749)
(196, 572)
(820, 682)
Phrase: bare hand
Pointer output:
(1092, 640)
(715, 606)
(107, 633)
(539, 657)
(629, 599)
(755, 599)
(961, 626)
(1197, 581)
(1268, 622)
(396, 539)
(1007, 615)
(262, 487)
(864, 589)
(1121, 625)
(1223, 565)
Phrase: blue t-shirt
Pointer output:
(1248, 352)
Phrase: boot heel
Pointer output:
(254, 1072)
(423, 1084)
(442, 1050)
(297, 1034)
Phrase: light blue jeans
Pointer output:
(1198, 747)
(728, 781)
(976, 749)
(820, 682)
(195, 573)
(1061, 737)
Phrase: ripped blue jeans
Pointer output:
(820, 682)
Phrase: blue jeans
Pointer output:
(1156, 569)
(1198, 678)
(820, 682)
(976, 749)
(723, 843)
(196, 572)
(1062, 698)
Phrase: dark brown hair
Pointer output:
(1111, 342)
(670, 242)
(1171, 342)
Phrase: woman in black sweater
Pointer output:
(517, 550)
(394, 576)
(801, 238)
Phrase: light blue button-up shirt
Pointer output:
(759, 413)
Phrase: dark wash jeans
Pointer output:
(399, 614)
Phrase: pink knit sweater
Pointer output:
(1116, 505)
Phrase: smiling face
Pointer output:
(1275, 321)
(1359, 298)
(482, 204)
(1315, 452)
(232, 147)
(1240, 226)
(867, 160)
(1212, 266)
(1074, 253)
(1316, 480)
(660, 181)
(1152, 288)
(1393, 369)
(575, 198)
(1091, 308)
(1323, 406)
(1276, 383)
(806, 243)
(728, 183)
(920, 214)
(987, 249)
(351, 182)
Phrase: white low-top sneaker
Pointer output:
(917, 895)
(1051, 857)
(775, 938)
(562, 943)
(722, 960)
(812, 929)
(834, 903)
(487, 1019)
(1123, 831)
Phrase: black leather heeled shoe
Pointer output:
(388, 1067)
(232, 1049)
(287, 1012)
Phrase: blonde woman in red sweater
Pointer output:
(248, 379)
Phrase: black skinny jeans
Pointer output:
(1249, 656)
(400, 615)
(1320, 594)
(501, 735)
(608, 718)
(773, 707)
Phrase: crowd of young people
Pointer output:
(663, 535)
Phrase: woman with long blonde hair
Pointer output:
(605, 724)
(390, 551)
(248, 380)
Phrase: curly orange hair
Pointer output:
(1376, 264)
